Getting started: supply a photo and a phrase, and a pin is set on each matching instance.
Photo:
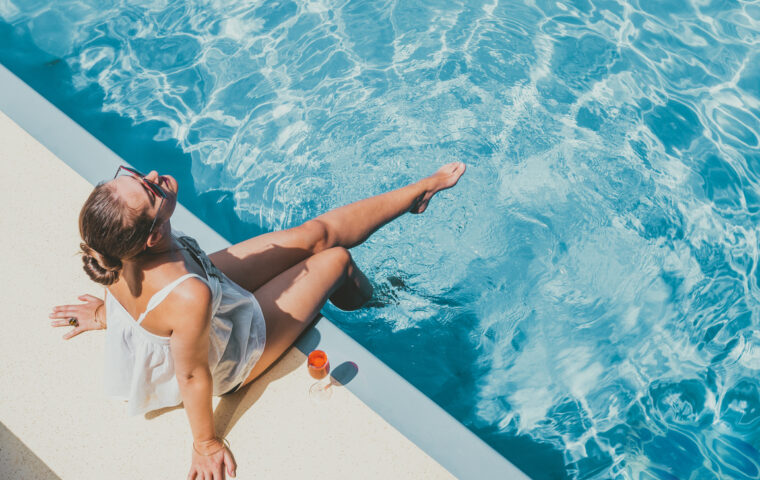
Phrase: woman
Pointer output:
(182, 325)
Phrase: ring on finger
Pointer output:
(73, 322)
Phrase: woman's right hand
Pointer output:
(211, 466)
(85, 314)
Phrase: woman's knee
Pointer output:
(318, 235)
(339, 256)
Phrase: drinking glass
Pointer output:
(319, 368)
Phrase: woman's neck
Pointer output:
(155, 254)
(164, 242)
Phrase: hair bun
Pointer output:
(99, 268)
(111, 231)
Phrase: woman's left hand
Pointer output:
(83, 314)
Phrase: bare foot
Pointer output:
(446, 177)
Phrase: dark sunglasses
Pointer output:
(153, 187)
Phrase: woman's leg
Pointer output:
(352, 224)
(256, 261)
(292, 300)
(354, 292)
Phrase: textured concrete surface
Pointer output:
(56, 422)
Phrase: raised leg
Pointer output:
(352, 224)
(256, 261)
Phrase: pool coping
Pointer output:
(402, 405)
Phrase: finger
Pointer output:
(67, 306)
(73, 333)
(88, 298)
(65, 310)
(66, 314)
(66, 322)
(59, 323)
(229, 462)
(191, 475)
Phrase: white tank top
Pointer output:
(139, 366)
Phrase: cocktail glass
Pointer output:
(319, 368)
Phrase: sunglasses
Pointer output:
(153, 187)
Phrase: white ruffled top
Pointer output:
(139, 366)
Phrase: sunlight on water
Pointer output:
(590, 287)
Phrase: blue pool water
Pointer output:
(586, 299)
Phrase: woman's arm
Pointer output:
(189, 344)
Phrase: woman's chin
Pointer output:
(172, 183)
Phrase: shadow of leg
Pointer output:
(231, 407)
(160, 411)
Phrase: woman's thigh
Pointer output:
(292, 300)
(256, 261)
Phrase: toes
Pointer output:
(455, 167)
(456, 170)
(459, 169)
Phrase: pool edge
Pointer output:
(404, 407)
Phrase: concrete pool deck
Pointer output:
(55, 421)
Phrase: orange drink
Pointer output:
(319, 368)
(318, 364)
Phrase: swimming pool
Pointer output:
(586, 300)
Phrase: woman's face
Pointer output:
(138, 196)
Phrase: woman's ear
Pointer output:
(154, 238)
(159, 234)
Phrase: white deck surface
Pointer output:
(56, 422)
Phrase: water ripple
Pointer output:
(591, 286)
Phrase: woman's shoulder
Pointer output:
(188, 309)
(180, 289)
(193, 288)
(191, 297)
